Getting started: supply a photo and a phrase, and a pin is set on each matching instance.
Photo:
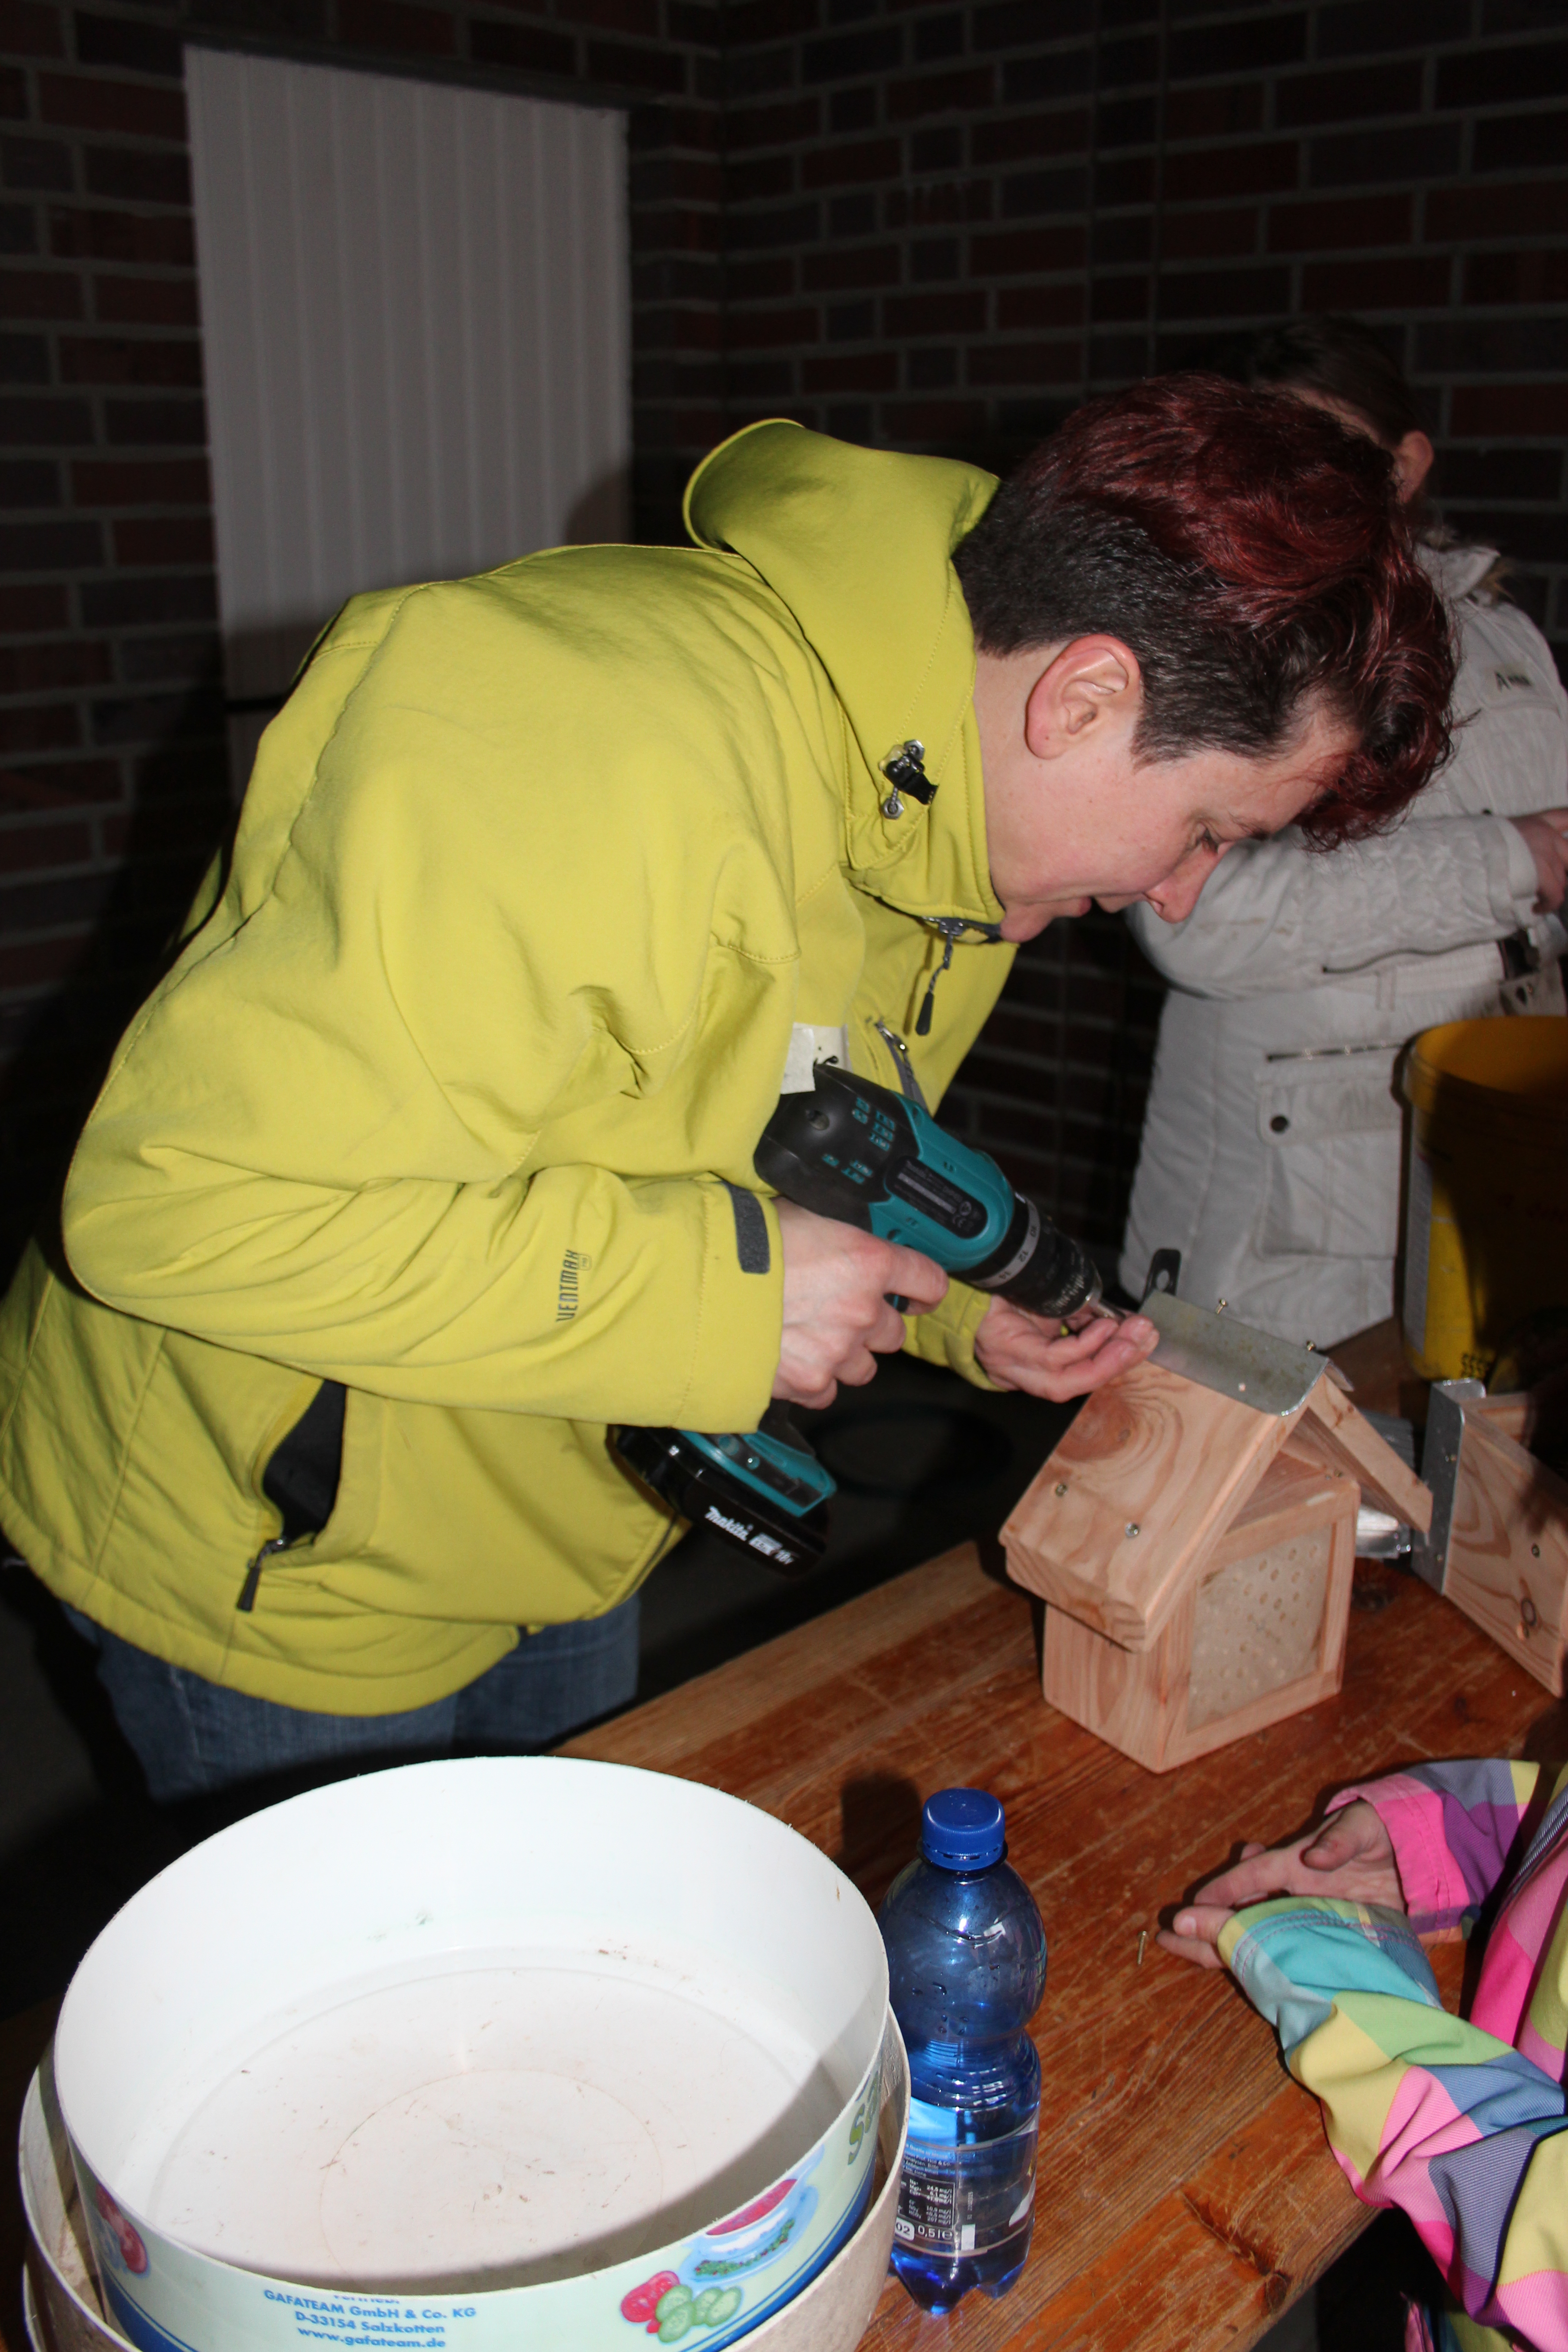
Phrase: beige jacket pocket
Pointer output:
(1331, 1124)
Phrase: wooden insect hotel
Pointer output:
(1497, 1546)
(1193, 1536)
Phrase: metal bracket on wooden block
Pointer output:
(1440, 1472)
(1231, 1358)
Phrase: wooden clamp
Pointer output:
(1498, 1544)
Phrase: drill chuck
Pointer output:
(1039, 1267)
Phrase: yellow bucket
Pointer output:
(1486, 1234)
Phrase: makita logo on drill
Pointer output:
(730, 1526)
(753, 1537)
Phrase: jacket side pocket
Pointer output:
(1333, 1127)
(300, 1480)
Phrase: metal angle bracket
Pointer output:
(1231, 1358)
(1440, 1472)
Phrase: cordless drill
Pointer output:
(869, 1158)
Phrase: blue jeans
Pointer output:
(193, 1738)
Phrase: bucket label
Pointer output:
(963, 2197)
(368, 2321)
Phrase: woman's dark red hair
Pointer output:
(1251, 552)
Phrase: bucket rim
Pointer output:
(1532, 1084)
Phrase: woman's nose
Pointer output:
(1175, 899)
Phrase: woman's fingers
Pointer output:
(1032, 1352)
(1078, 1347)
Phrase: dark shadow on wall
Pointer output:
(180, 816)
(1109, 1092)
(1056, 1084)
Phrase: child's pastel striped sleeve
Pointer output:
(1423, 2111)
(1453, 1826)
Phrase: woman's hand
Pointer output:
(1033, 1352)
(1547, 835)
(836, 1319)
(1349, 1859)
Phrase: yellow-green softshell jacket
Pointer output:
(536, 873)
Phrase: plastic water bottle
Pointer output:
(966, 1958)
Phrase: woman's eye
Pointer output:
(1207, 842)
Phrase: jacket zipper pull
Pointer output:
(908, 1083)
(248, 1590)
(922, 1023)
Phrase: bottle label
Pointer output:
(963, 2197)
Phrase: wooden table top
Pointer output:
(1186, 2191)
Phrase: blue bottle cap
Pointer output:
(962, 1828)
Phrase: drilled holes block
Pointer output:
(1258, 1625)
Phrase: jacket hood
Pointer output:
(858, 543)
(1455, 570)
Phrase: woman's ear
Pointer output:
(1412, 463)
(1083, 685)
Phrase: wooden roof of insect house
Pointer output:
(1194, 1535)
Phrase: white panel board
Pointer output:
(415, 321)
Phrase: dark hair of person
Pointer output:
(1250, 551)
(1343, 360)
(1340, 358)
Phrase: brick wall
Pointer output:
(927, 225)
(113, 784)
(946, 224)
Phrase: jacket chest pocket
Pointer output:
(1330, 1125)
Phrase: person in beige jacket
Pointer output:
(1271, 1148)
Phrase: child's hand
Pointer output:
(1350, 1858)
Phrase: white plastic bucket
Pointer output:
(831, 2312)
(472, 2056)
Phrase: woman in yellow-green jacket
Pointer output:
(432, 1154)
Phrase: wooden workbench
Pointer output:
(1185, 2191)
